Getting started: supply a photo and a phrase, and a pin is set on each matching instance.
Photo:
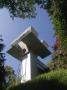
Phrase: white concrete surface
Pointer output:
(28, 68)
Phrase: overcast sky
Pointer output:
(10, 29)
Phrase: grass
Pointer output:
(54, 80)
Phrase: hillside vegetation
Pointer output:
(54, 80)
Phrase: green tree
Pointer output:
(21, 8)
(57, 11)
(11, 78)
(2, 69)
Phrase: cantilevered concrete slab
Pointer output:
(27, 42)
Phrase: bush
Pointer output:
(54, 80)
(57, 64)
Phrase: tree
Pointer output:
(21, 8)
(11, 78)
(8, 77)
(18, 8)
(2, 69)
(57, 11)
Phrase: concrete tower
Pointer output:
(26, 48)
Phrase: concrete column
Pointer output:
(28, 67)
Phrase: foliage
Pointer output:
(11, 78)
(2, 69)
(57, 11)
(57, 64)
(7, 74)
(21, 8)
(54, 80)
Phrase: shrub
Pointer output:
(54, 80)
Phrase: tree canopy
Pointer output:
(21, 8)
(2, 69)
(57, 11)
(11, 78)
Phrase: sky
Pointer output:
(11, 29)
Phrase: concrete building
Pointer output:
(26, 48)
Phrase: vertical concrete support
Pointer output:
(28, 67)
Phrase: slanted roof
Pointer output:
(32, 43)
